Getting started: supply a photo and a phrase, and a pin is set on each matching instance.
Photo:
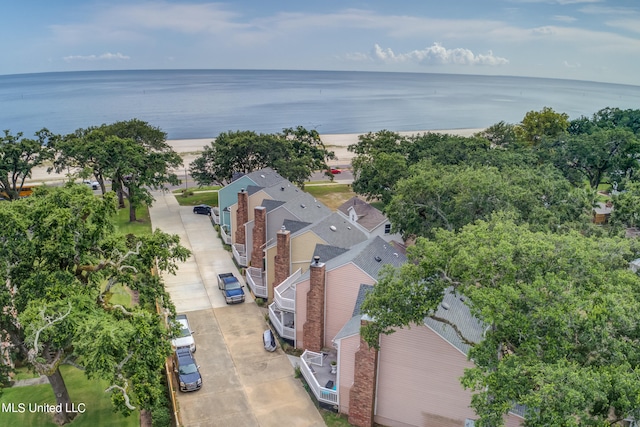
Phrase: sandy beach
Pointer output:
(189, 149)
(338, 143)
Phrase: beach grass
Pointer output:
(140, 227)
(197, 197)
(331, 194)
(99, 410)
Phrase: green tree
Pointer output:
(84, 150)
(626, 212)
(559, 314)
(538, 125)
(18, 157)
(140, 160)
(60, 259)
(611, 153)
(436, 196)
(379, 163)
(500, 134)
(295, 153)
(133, 154)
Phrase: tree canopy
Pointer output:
(561, 332)
(133, 154)
(61, 260)
(295, 154)
(18, 157)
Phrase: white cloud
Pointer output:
(564, 18)
(626, 24)
(608, 10)
(104, 57)
(560, 2)
(437, 54)
(571, 65)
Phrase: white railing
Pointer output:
(323, 394)
(240, 254)
(284, 302)
(256, 279)
(215, 215)
(276, 319)
(223, 233)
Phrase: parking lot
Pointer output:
(243, 385)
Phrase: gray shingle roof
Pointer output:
(306, 208)
(283, 190)
(293, 225)
(459, 314)
(337, 231)
(265, 177)
(368, 216)
(327, 252)
(362, 293)
(271, 204)
(352, 327)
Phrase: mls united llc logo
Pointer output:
(33, 407)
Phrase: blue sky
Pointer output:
(575, 39)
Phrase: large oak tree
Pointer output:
(59, 261)
(560, 314)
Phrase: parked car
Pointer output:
(269, 340)
(188, 371)
(95, 185)
(231, 288)
(186, 334)
(202, 209)
(335, 171)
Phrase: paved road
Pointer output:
(243, 385)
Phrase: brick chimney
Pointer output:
(282, 268)
(313, 328)
(259, 236)
(362, 395)
(242, 216)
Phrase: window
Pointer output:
(387, 228)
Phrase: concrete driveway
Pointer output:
(243, 385)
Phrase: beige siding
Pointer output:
(342, 288)
(254, 200)
(302, 247)
(346, 363)
(302, 289)
(418, 380)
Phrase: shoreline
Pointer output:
(338, 143)
(190, 149)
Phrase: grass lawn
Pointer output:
(23, 374)
(99, 410)
(199, 197)
(332, 419)
(332, 195)
(141, 227)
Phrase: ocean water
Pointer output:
(203, 103)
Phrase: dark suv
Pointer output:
(202, 209)
(185, 366)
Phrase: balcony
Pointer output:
(316, 369)
(283, 322)
(285, 292)
(215, 215)
(257, 281)
(225, 234)
(240, 254)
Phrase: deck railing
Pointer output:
(275, 316)
(226, 238)
(240, 254)
(257, 281)
(323, 394)
(286, 303)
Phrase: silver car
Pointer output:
(185, 339)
